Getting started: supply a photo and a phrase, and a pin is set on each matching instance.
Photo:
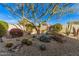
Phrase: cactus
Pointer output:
(26, 42)
(3, 29)
(42, 47)
(16, 32)
(9, 45)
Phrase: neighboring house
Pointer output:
(44, 28)
(14, 26)
(34, 31)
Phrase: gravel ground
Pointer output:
(69, 48)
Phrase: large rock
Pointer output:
(44, 38)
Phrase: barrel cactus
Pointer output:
(9, 45)
(3, 28)
(42, 47)
(14, 32)
(26, 42)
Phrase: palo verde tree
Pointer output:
(36, 13)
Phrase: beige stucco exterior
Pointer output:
(44, 28)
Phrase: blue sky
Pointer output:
(6, 16)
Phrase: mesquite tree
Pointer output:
(36, 13)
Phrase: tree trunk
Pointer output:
(38, 30)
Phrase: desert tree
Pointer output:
(37, 13)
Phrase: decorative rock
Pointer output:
(44, 38)
(42, 47)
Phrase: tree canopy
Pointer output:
(38, 13)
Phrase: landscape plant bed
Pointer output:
(34, 30)
(52, 48)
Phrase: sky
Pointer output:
(6, 16)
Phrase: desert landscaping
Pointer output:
(52, 44)
(39, 29)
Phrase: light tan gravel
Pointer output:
(69, 48)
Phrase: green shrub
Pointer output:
(3, 28)
(26, 42)
(4, 23)
(9, 45)
(56, 28)
(29, 42)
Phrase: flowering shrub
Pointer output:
(16, 32)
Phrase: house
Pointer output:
(44, 28)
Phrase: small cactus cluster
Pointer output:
(16, 32)
(42, 47)
(9, 45)
(26, 42)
